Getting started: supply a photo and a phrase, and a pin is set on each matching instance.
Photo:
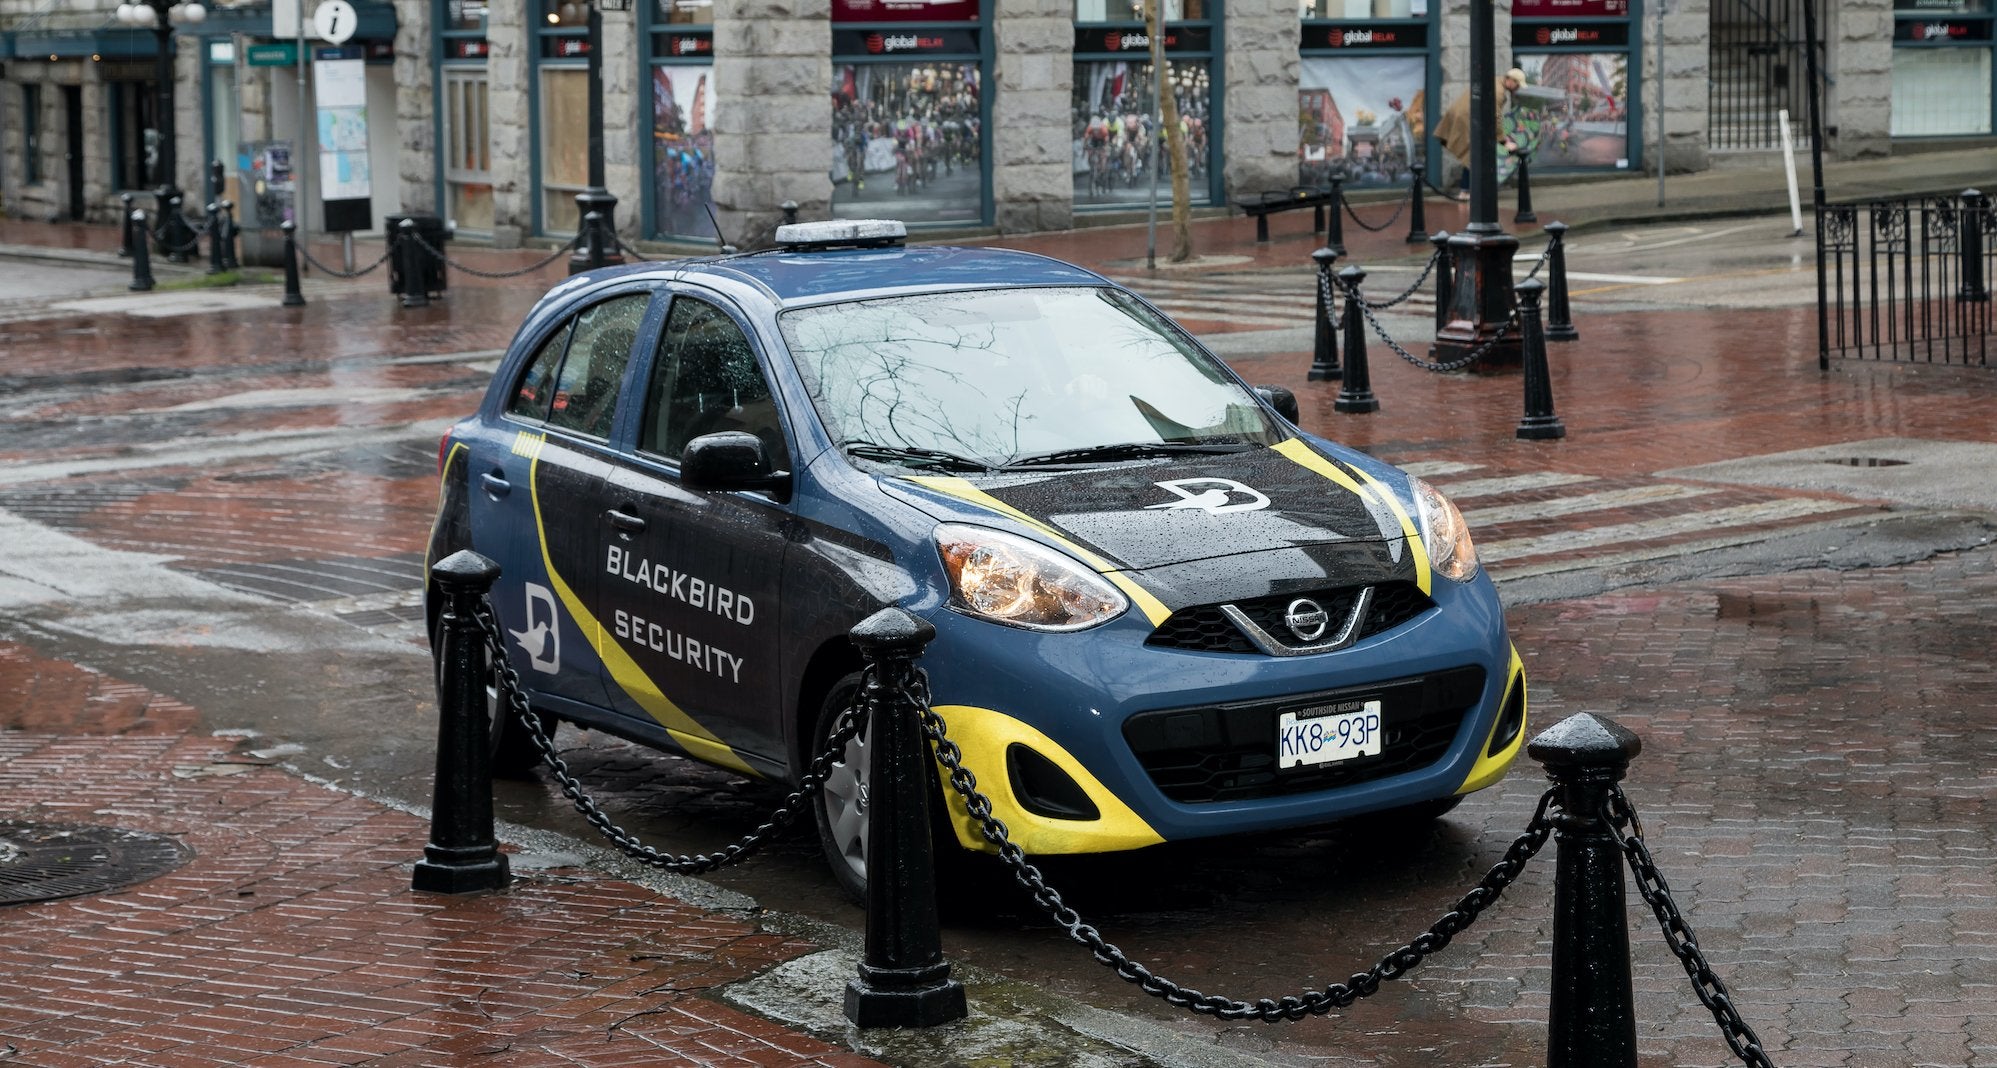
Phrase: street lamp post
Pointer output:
(1481, 304)
(596, 207)
(174, 237)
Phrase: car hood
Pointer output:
(1155, 513)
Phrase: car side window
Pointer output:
(705, 381)
(530, 398)
(586, 390)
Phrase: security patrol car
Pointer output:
(1162, 611)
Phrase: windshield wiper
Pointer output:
(1128, 450)
(913, 456)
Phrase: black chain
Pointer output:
(1324, 286)
(1291, 1007)
(1468, 358)
(433, 250)
(850, 723)
(1620, 814)
(1364, 225)
(309, 258)
(627, 250)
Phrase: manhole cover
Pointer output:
(45, 861)
(1866, 461)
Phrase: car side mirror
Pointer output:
(730, 460)
(1284, 401)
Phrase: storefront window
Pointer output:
(1114, 106)
(1360, 118)
(1574, 109)
(464, 15)
(682, 12)
(1939, 92)
(908, 137)
(467, 150)
(683, 148)
(564, 146)
(1133, 10)
(1364, 9)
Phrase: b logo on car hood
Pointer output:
(1218, 496)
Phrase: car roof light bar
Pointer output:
(841, 233)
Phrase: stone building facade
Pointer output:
(958, 115)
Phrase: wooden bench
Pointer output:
(1297, 196)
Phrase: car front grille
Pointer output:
(1206, 628)
(1228, 752)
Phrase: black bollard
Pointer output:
(229, 262)
(1559, 316)
(463, 856)
(904, 980)
(789, 208)
(1355, 392)
(124, 224)
(215, 179)
(410, 254)
(292, 297)
(1418, 210)
(1591, 1022)
(1324, 343)
(1539, 422)
(214, 238)
(592, 229)
(1334, 232)
(176, 238)
(142, 263)
(1445, 277)
(1973, 289)
(1525, 212)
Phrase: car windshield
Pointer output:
(991, 378)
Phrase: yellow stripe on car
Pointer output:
(697, 740)
(984, 736)
(1372, 490)
(1153, 609)
(1489, 769)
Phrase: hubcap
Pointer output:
(845, 800)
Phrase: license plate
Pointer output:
(1332, 733)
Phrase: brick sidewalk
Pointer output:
(292, 937)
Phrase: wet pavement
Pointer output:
(216, 522)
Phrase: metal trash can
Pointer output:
(431, 229)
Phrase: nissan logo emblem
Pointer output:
(1307, 619)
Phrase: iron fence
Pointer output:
(1905, 280)
(1758, 69)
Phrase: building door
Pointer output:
(1757, 70)
(72, 151)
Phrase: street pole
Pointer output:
(595, 207)
(1157, 86)
(174, 234)
(1817, 176)
(1658, 50)
(1480, 315)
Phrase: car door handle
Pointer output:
(496, 485)
(626, 522)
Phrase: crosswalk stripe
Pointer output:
(1210, 314)
(1587, 502)
(1436, 468)
(1651, 529)
(1486, 487)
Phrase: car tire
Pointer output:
(841, 807)
(510, 748)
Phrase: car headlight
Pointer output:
(1443, 533)
(1021, 583)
